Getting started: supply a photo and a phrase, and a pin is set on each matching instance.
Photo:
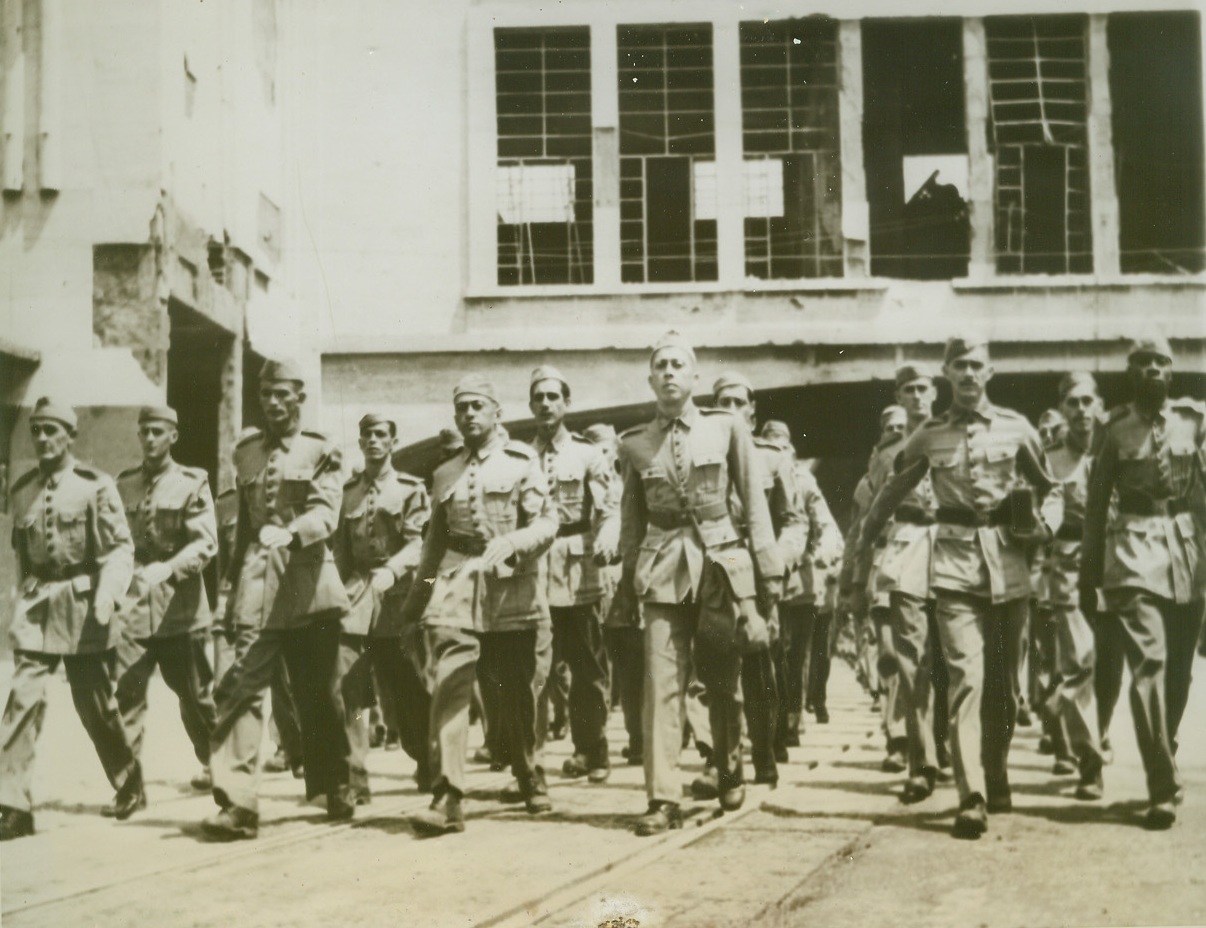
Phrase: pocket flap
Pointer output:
(71, 516)
(498, 485)
(709, 458)
(998, 453)
(738, 567)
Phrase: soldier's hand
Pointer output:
(275, 536)
(103, 610)
(382, 579)
(497, 551)
(753, 632)
(157, 572)
(605, 553)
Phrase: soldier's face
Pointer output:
(376, 442)
(672, 375)
(51, 439)
(476, 417)
(280, 400)
(156, 439)
(969, 375)
(917, 397)
(1151, 374)
(1051, 431)
(1080, 408)
(895, 425)
(737, 399)
(548, 403)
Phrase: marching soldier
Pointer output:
(701, 591)
(1073, 703)
(819, 573)
(286, 602)
(376, 548)
(1052, 427)
(585, 490)
(762, 671)
(74, 559)
(975, 453)
(171, 516)
(1148, 556)
(492, 521)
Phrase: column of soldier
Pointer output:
(690, 552)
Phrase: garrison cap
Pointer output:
(907, 373)
(474, 385)
(1151, 344)
(599, 433)
(960, 345)
(775, 429)
(284, 369)
(158, 414)
(369, 419)
(547, 372)
(1074, 380)
(672, 339)
(1051, 417)
(47, 408)
(889, 412)
(732, 379)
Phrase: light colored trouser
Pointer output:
(914, 679)
(983, 643)
(894, 707)
(1073, 701)
(91, 679)
(669, 635)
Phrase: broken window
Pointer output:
(544, 174)
(915, 148)
(789, 107)
(1156, 94)
(1039, 110)
(667, 142)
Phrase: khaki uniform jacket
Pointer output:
(381, 525)
(171, 518)
(1061, 566)
(974, 459)
(497, 491)
(292, 481)
(1155, 468)
(583, 485)
(73, 550)
(786, 505)
(825, 545)
(678, 478)
(907, 542)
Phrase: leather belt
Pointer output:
(969, 519)
(67, 573)
(469, 545)
(913, 515)
(1139, 504)
(681, 518)
(566, 529)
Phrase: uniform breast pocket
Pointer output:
(1181, 465)
(498, 497)
(169, 521)
(708, 475)
(295, 487)
(656, 484)
(73, 530)
(570, 486)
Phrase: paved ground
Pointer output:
(831, 846)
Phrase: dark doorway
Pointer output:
(197, 356)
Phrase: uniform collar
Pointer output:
(1160, 415)
(169, 464)
(53, 480)
(557, 442)
(688, 417)
(284, 440)
(384, 476)
(985, 412)
(496, 440)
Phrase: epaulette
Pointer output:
(520, 450)
(87, 472)
(1006, 413)
(1118, 412)
(356, 475)
(760, 442)
(578, 438)
(197, 473)
(1188, 403)
(635, 430)
(934, 421)
(23, 479)
(253, 434)
(715, 411)
(407, 480)
(129, 472)
(310, 433)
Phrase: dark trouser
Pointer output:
(578, 640)
(796, 621)
(311, 654)
(1182, 626)
(941, 679)
(626, 646)
(669, 658)
(185, 670)
(514, 665)
(1110, 657)
(761, 693)
(819, 661)
(284, 723)
(404, 701)
(91, 679)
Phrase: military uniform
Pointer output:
(688, 568)
(582, 485)
(980, 574)
(1148, 558)
(819, 578)
(73, 551)
(171, 517)
(498, 616)
(381, 526)
(284, 603)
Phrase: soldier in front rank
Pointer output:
(700, 590)
(1148, 556)
(484, 598)
(1073, 703)
(762, 671)
(376, 549)
(585, 490)
(171, 516)
(976, 454)
(285, 603)
(74, 561)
